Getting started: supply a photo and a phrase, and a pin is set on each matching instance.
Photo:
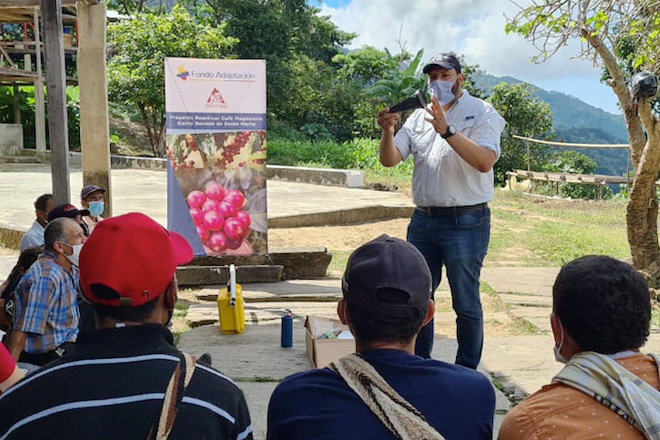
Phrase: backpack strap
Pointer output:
(176, 389)
(403, 420)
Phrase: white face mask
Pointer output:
(558, 356)
(75, 256)
(442, 91)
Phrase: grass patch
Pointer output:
(522, 326)
(256, 379)
(486, 288)
(655, 316)
(338, 263)
(443, 304)
(532, 231)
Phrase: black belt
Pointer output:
(437, 211)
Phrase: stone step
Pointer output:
(261, 313)
(527, 300)
(324, 176)
(20, 159)
(296, 262)
(206, 275)
(316, 290)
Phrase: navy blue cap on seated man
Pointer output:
(387, 300)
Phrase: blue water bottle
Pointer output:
(287, 329)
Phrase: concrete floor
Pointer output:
(146, 191)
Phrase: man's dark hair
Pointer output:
(126, 313)
(122, 313)
(55, 232)
(42, 202)
(603, 303)
(25, 260)
(373, 328)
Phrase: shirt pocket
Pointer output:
(465, 126)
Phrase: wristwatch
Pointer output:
(451, 130)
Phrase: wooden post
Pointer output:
(39, 104)
(529, 157)
(94, 130)
(17, 109)
(51, 12)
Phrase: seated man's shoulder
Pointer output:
(553, 407)
(213, 382)
(311, 379)
(415, 370)
(45, 266)
(452, 373)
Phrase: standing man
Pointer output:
(127, 380)
(34, 237)
(91, 198)
(46, 313)
(455, 143)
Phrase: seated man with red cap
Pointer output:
(127, 380)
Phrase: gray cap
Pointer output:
(445, 60)
(88, 189)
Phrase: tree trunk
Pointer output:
(153, 137)
(642, 223)
(642, 208)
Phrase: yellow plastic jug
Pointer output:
(230, 306)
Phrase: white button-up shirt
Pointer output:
(441, 177)
(33, 237)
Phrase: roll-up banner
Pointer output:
(216, 150)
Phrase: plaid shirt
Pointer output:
(47, 305)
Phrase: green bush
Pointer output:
(26, 103)
(360, 153)
(572, 162)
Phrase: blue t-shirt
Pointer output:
(458, 402)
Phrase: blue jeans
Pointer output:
(459, 241)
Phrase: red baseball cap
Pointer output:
(129, 260)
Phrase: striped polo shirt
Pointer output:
(111, 386)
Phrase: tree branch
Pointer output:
(618, 83)
(147, 125)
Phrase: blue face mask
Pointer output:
(96, 208)
(442, 91)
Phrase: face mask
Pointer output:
(96, 208)
(442, 91)
(75, 256)
(558, 356)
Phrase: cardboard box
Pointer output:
(324, 351)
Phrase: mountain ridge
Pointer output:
(576, 121)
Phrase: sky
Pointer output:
(473, 28)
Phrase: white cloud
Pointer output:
(473, 28)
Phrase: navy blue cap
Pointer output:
(445, 60)
(386, 264)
